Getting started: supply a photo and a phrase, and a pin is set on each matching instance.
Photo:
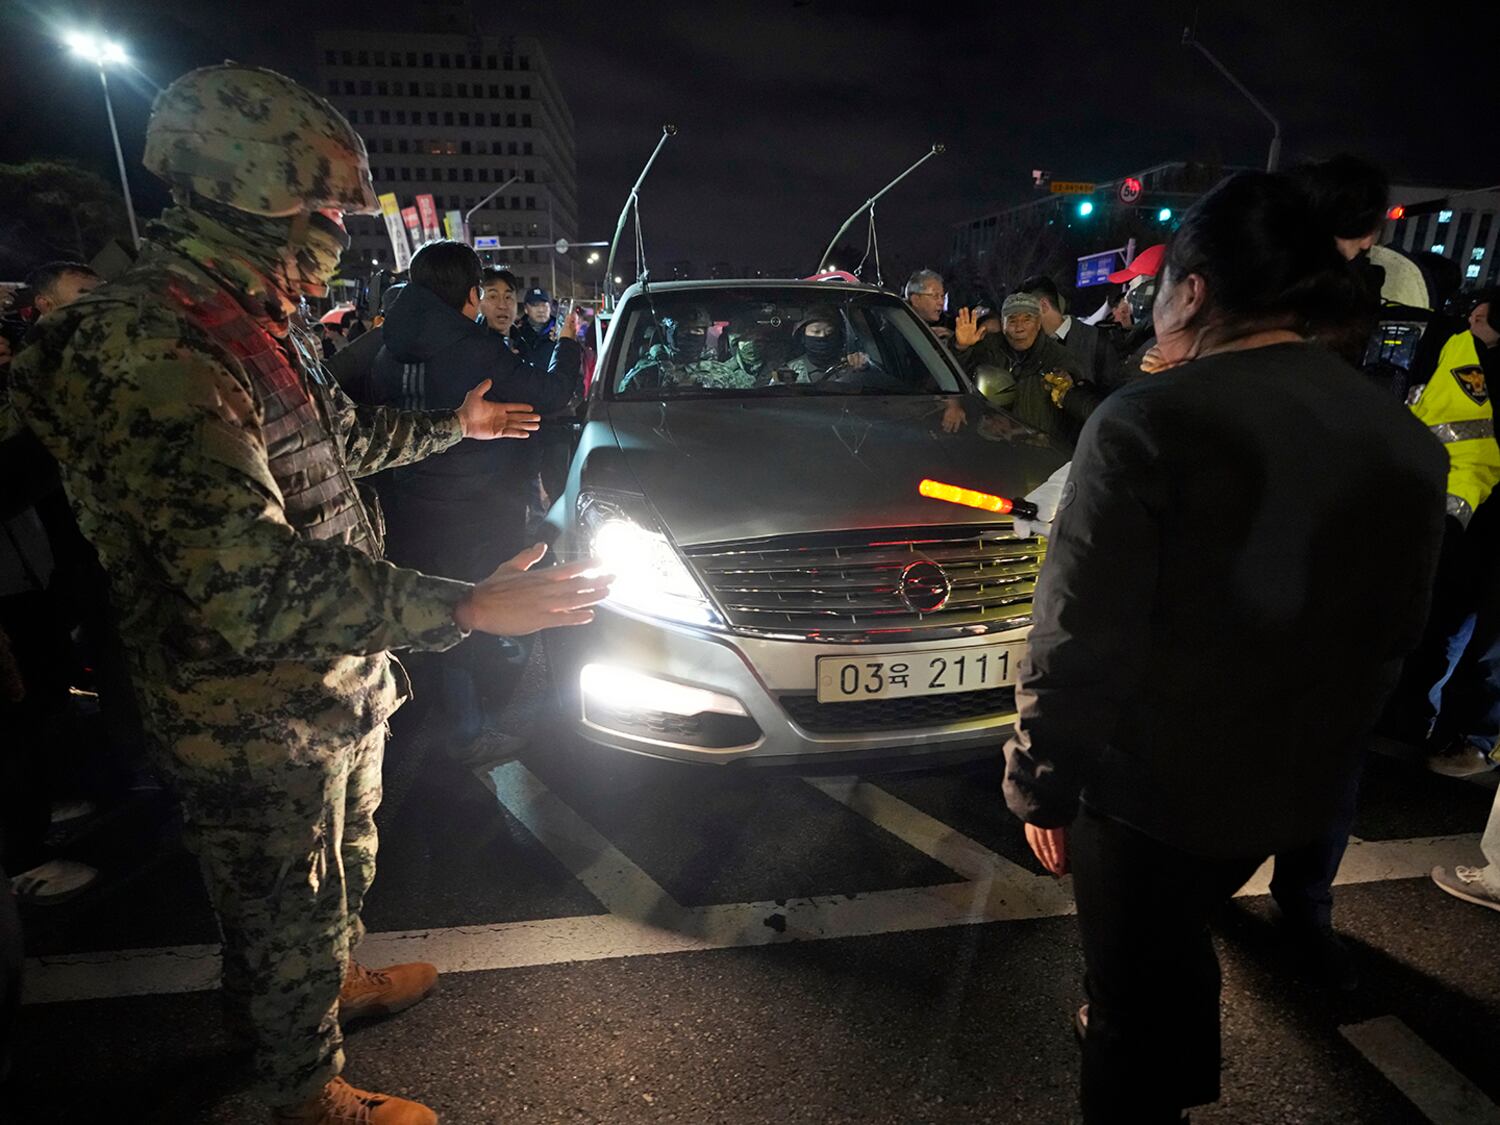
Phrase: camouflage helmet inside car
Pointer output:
(259, 142)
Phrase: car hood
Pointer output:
(717, 470)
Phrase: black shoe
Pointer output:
(1324, 955)
(1458, 757)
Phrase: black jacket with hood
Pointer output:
(431, 356)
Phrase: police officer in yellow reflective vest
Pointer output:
(1455, 404)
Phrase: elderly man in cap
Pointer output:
(1052, 393)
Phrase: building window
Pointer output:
(474, 62)
(348, 87)
(510, 119)
(413, 90)
(492, 61)
(333, 86)
(494, 120)
(484, 175)
(530, 176)
(364, 89)
(431, 117)
(402, 145)
(382, 88)
(463, 89)
(447, 89)
(525, 93)
(427, 59)
(385, 117)
(347, 58)
(510, 148)
(531, 203)
(463, 119)
(364, 58)
(401, 118)
(510, 91)
(448, 117)
(515, 203)
(468, 175)
(458, 61)
(444, 61)
(411, 58)
(379, 58)
(429, 89)
(525, 62)
(331, 57)
(526, 149)
(466, 148)
(526, 120)
(494, 92)
(453, 175)
(509, 63)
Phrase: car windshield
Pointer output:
(767, 342)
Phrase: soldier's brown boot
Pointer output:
(339, 1103)
(368, 993)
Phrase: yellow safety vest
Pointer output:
(1455, 405)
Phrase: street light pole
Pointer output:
(100, 51)
(469, 214)
(1273, 158)
(109, 109)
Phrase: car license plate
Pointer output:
(847, 679)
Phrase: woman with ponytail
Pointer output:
(1240, 562)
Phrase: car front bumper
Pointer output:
(625, 682)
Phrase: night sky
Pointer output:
(792, 113)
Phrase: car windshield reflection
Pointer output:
(796, 341)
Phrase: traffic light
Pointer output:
(1086, 208)
(1164, 215)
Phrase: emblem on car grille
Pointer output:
(924, 587)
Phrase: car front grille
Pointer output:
(845, 587)
(910, 713)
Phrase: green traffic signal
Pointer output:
(1164, 215)
(1086, 208)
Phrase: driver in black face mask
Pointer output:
(824, 347)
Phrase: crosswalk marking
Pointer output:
(1427, 1079)
(644, 919)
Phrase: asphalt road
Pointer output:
(630, 941)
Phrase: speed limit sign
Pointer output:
(1130, 189)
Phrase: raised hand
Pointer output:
(517, 600)
(968, 331)
(484, 419)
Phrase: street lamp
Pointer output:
(1273, 157)
(102, 52)
(594, 258)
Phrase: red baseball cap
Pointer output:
(1145, 264)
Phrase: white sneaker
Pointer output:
(1466, 883)
(52, 882)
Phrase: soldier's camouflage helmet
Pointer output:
(259, 142)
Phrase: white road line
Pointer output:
(1375, 861)
(1427, 1079)
(605, 871)
(459, 949)
(917, 829)
(645, 920)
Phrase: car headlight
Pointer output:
(650, 576)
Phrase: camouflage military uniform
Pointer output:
(209, 462)
(732, 373)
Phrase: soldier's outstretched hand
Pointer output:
(484, 419)
(517, 600)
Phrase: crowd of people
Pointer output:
(211, 497)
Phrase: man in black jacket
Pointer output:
(1052, 392)
(1093, 355)
(461, 513)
